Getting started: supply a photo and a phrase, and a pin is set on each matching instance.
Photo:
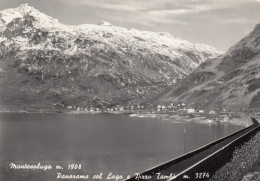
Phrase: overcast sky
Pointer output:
(219, 23)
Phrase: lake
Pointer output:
(104, 143)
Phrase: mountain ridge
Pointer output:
(87, 64)
(230, 82)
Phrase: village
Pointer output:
(170, 108)
(186, 112)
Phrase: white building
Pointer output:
(191, 110)
(201, 111)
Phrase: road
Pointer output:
(188, 163)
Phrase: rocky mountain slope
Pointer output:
(43, 62)
(231, 81)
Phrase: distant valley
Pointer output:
(230, 82)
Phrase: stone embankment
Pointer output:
(245, 164)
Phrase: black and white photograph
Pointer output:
(113, 90)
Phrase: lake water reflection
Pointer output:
(101, 142)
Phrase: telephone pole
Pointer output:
(184, 140)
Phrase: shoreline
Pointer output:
(242, 120)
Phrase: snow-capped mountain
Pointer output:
(44, 62)
(230, 82)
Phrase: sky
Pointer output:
(219, 23)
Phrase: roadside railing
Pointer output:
(219, 158)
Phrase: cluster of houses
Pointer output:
(181, 108)
(120, 108)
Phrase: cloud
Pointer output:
(114, 5)
(135, 11)
(178, 12)
(117, 7)
(183, 11)
(238, 20)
